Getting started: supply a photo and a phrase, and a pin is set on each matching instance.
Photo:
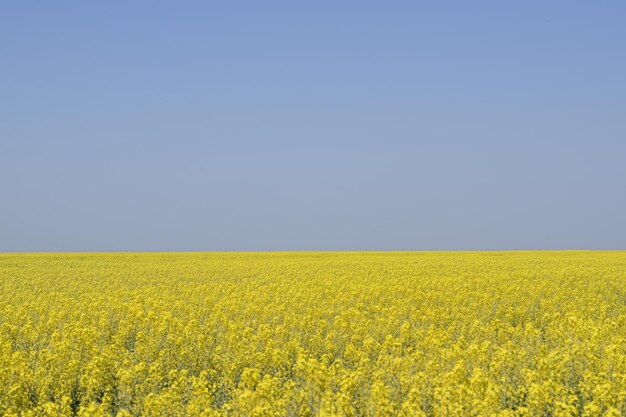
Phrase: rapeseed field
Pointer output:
(313, 334)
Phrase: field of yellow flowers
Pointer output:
(308, 334)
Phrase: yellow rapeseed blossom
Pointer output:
(313, 334)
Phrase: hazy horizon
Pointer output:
(320, 127)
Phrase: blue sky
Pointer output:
(312, 126)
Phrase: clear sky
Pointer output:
(327, 125)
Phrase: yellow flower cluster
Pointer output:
(313, 334)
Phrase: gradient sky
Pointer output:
(328, 125)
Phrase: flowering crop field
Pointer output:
(307, 334)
